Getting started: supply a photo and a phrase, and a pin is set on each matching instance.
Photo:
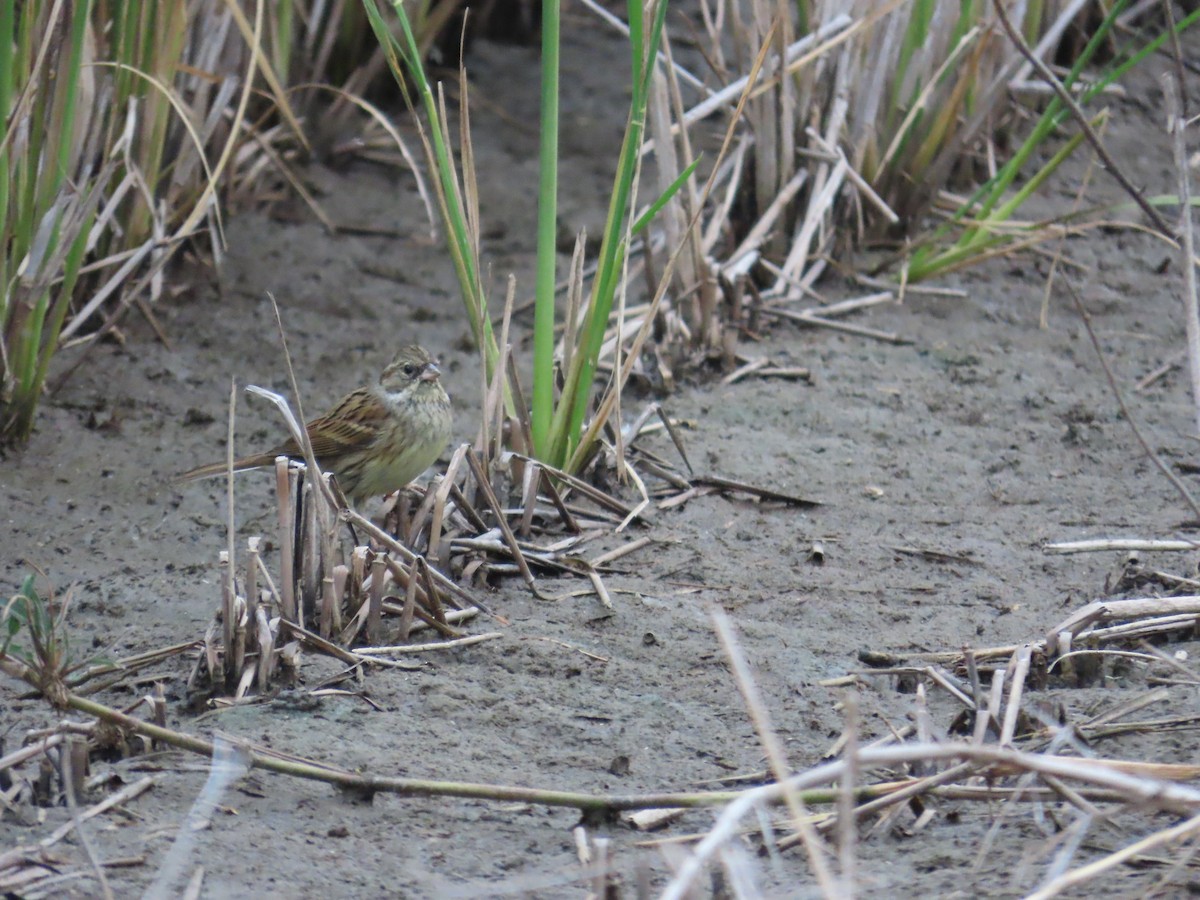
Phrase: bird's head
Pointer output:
(413, 372)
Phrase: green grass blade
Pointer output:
(547, 236)
(404, 57)
(572, 408)
(672, 189)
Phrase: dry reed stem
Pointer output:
(1177, 125)
(393, 546)
(847, 831)
(11, 857)
(797, 54)
(619, 552)
(17, 757)
(913, 788)
(287, 573)
(776, 757)
(1020, 670)
(1176, 834)
(431, 646)
(441, 498)
(888, 337)
(598, 586)
(1107, 544)
(999, 761)
(266, 649)
(729, 484)
(130, 664)
(854, 304)
(705, 272)
(410, 607)
(1172, 363)
(485, 485)
(228, 583)
(597, 496)
(74, 766)
(375, 599)
(1129, 707)
(299, 432)
(465, 506)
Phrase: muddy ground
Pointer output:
(983, 438)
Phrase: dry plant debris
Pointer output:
(426, 564)
(1004, 748)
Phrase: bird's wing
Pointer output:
(351, 425)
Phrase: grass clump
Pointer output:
(35, 646)
(558, 411)
(50, 191)
(868, 115)
(102, 175)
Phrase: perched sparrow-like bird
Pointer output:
(376, 439)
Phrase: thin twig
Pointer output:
(1106, 544)
(431, 646)
(775, 753)
(1112, 382)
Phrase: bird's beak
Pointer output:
(431, 373)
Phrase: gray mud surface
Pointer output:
(981, 440)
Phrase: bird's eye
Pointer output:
(409, 369)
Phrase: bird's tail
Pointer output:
(212, 470)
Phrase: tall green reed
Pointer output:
(561, 427)
(557, 417)
(456, 203)
(50, 188)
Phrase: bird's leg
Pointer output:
(403, 517)
(344, 503)
(298, 539)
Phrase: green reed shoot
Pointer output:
(556, 426)
(996, 202)
(405, 58)
(49, 192)
(560, 437)
(544, 311)
(35, 637)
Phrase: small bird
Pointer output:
(376, 439)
